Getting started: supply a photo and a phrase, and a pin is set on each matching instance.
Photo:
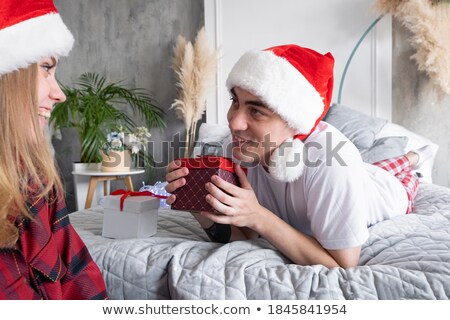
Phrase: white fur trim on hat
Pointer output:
(31, 40)
(280, 86)
(287, 161)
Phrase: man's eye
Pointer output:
(256, 112)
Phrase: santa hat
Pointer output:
(31, 30)
(297, 84)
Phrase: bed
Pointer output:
(404, 258)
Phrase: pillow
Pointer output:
(384, 148)
(415, 141)
(211, 139)
(358, 127)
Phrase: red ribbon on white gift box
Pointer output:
(125, 194)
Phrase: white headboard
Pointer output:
(236, 26)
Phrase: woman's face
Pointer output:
(49, 91)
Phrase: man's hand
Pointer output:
(237, 206)
(175, 177)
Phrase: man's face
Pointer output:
(256, 130)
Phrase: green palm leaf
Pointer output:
(92, 109)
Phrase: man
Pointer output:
(308, 191)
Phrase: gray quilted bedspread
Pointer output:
(405, 258)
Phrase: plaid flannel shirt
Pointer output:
(50, 261)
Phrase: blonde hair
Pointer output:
(26, 164)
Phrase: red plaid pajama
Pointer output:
(401, 169)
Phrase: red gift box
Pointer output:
(191, 196)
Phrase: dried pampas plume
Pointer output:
(195, 66)
(429, 22)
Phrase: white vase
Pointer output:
(81, 184)
(116, 161)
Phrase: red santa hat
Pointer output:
(297, 84)
(31, 30)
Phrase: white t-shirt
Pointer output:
(336, 199)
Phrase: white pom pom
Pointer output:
(287, 161)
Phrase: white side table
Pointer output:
(97, 175)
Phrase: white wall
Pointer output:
(236, 26)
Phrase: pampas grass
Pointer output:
(429, 23)
(195, 66)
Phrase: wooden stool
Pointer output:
(97, 175)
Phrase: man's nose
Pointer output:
(237, 121)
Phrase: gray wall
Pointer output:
(417, 105)
(130, 40)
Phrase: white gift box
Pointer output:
(138, 219)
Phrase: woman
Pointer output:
(41, 255)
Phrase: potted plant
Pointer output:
(122, 145)
(91, 108)
(94, 108)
